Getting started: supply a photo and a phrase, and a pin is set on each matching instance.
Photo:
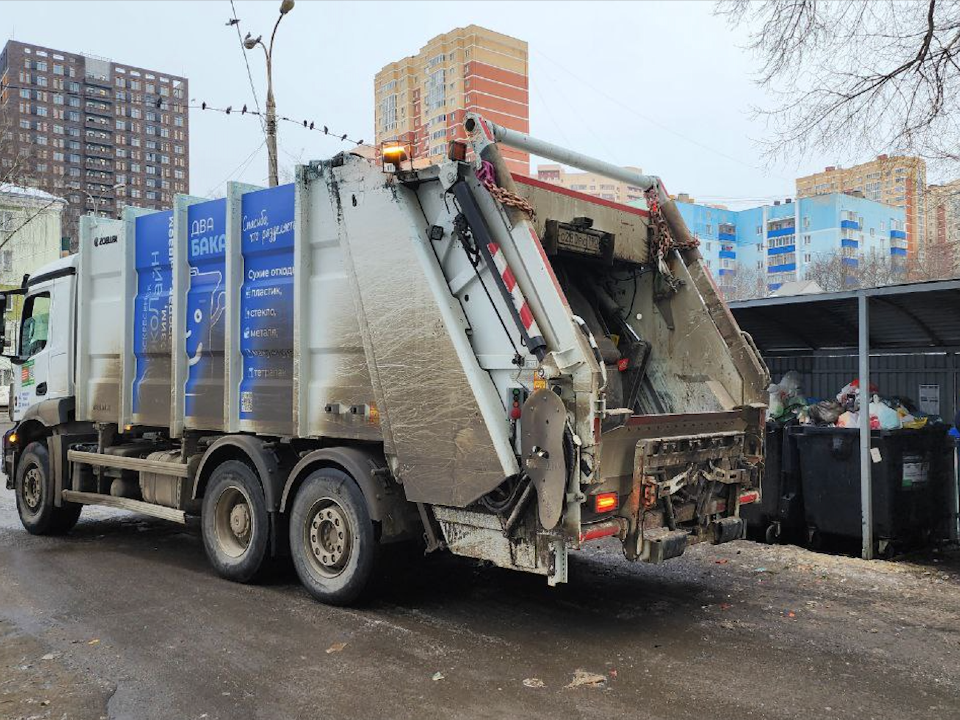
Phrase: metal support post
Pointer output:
(866, 487)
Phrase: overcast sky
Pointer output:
(662, 85)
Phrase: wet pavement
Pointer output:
(125, 619)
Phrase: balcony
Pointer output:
(850, 261)
(99, 151)
(731, 236)
(781, 231)
(97, 109)
(789, 267)
(98, 81)
(728, 254)
(898, 251)
(848, 243)
(781, 250)
(899, 234)
(93, 164)
(100, 94)
(850, 224)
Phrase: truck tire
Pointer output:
(34, 488)
(332, 540)
(234, 522)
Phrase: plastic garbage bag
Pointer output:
(848, 419)
(887, 417)
(825, 412)
(775, 403)
(785, 399)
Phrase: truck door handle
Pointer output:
(42, 389)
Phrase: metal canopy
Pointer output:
(908, 316)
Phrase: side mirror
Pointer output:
(3, 321)
(7, 302)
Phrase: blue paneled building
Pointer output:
(780, 241)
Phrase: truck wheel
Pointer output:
(34, 487)
(332, 540)
(234, 522)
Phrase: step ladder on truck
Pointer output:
(495, 366)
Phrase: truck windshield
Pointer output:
(35, 326)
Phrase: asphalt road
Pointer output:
(125, 619)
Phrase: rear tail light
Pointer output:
(605, 502)
(751, 496)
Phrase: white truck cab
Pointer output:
(42, 347)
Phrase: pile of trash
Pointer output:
(788, 404)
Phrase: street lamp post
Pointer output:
(96, 199)
(250, 42)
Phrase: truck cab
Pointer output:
(42, 349)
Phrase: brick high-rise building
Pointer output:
(99, 133)
(421, 100)
(900, 181)
(943, 215)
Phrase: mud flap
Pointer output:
(541, 443)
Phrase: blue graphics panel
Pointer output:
(266, 310)
(151, 317)
(205, 318)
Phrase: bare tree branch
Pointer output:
(862, 76)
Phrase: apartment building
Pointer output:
(943, 214)
(900, 181)
(421, 100)
(99, 133)
(591, 184)
(777, 243)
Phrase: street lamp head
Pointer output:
(286, 6)
(250, 42)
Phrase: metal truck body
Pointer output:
(499, 367)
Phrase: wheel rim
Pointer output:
(327, 537)
(32, 488)
(233, 521)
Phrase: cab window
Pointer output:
(35, 326)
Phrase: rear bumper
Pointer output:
(681, 480)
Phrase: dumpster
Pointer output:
(910, 479)
(779, 514)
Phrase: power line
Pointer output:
(246, 61)
(239, 169)
(306, 124)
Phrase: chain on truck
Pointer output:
(373, 354)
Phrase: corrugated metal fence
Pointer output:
(895, 375)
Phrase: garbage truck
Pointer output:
(376, 353)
